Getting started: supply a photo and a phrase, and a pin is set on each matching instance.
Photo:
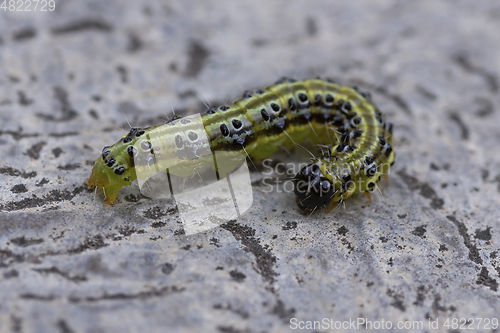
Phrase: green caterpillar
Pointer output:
(256, 125)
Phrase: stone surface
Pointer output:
(427, 248)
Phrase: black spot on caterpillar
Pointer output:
(258, 124)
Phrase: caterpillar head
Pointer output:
(312, 189)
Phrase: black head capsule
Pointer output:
(312, 190)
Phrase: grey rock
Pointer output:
(425, 249)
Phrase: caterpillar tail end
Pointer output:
(110, 192)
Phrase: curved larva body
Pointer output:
(283, 114)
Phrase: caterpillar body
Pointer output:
(283, 114)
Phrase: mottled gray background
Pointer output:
(427, 248)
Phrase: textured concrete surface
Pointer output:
(427, 249)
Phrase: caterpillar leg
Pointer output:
(367, 194)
